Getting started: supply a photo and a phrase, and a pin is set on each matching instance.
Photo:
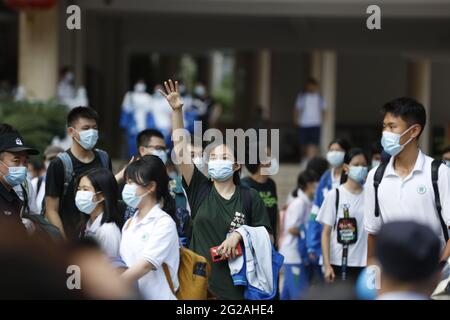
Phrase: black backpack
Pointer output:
(379, 173)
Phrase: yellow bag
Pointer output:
(193, 274)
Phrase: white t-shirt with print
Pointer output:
(357, 253)
(153, 239)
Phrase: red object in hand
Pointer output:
(29, 4)
(216, 257)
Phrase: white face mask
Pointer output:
(199, 163)
(375, 163)
(84, 202)
(140, 87)
(273, 169)
(391, 142)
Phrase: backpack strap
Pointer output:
(104, 158)
(246, 199)
(376, 183)
(168, 278)
(437, 199)
(337, 206)
(68, 171)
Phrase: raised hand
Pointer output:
(172, 94)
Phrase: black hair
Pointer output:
(150, 168)
(344, 144)
(376, 148)
(348, 158)
(446, 149)
(318, 164)
(81, 112)
(145, 136)
(409, 110)
(303, 179)
(104, 181)
(312, 80)
(6, 128)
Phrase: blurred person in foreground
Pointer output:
(408, 254)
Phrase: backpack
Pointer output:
(379, 173)
(43, 227)
(68, 166)
(193, 273)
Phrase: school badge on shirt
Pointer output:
(421, 189)
(145, 236)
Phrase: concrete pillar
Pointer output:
(419, 88)
(328, 86)
(38, 52)
(315, 65)
(263, 82)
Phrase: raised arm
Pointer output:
(184, 161)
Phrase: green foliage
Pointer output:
(37, 122)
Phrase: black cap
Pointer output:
(408, 251)
(13, 142)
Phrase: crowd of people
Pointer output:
(136, 233)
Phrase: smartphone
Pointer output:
(216, 257)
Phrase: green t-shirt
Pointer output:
(212, 222)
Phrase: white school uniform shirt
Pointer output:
(107, 234)
(410, 198)
(297, 214)
(311, 106)
(155, 240)
(357, 252)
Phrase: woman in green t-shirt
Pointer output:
(217, 202)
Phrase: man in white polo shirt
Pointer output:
(406, 191)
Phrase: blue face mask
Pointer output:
(447, 163)
(129, 195)
(391, 142)
(84, 203)
(358, 173)
(220, 170)
(335, 158)
(161, 154)
(16, 175)
(88, 139)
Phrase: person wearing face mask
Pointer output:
(137, 114)
(96, 198)
(162, 114)
(348, 196)
(411, 186)
(260, 180)
(296, 273)
(219, 204)
(38, 183)
(14, 154)
(151, 142)
(446, 156)
(376, 151)
(149, 238)
(330, 180)
(208, 110)
(60, 208)
(66, 88)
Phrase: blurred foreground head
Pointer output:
(33, 268)
(409, 256)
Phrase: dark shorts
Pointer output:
(309, 135)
